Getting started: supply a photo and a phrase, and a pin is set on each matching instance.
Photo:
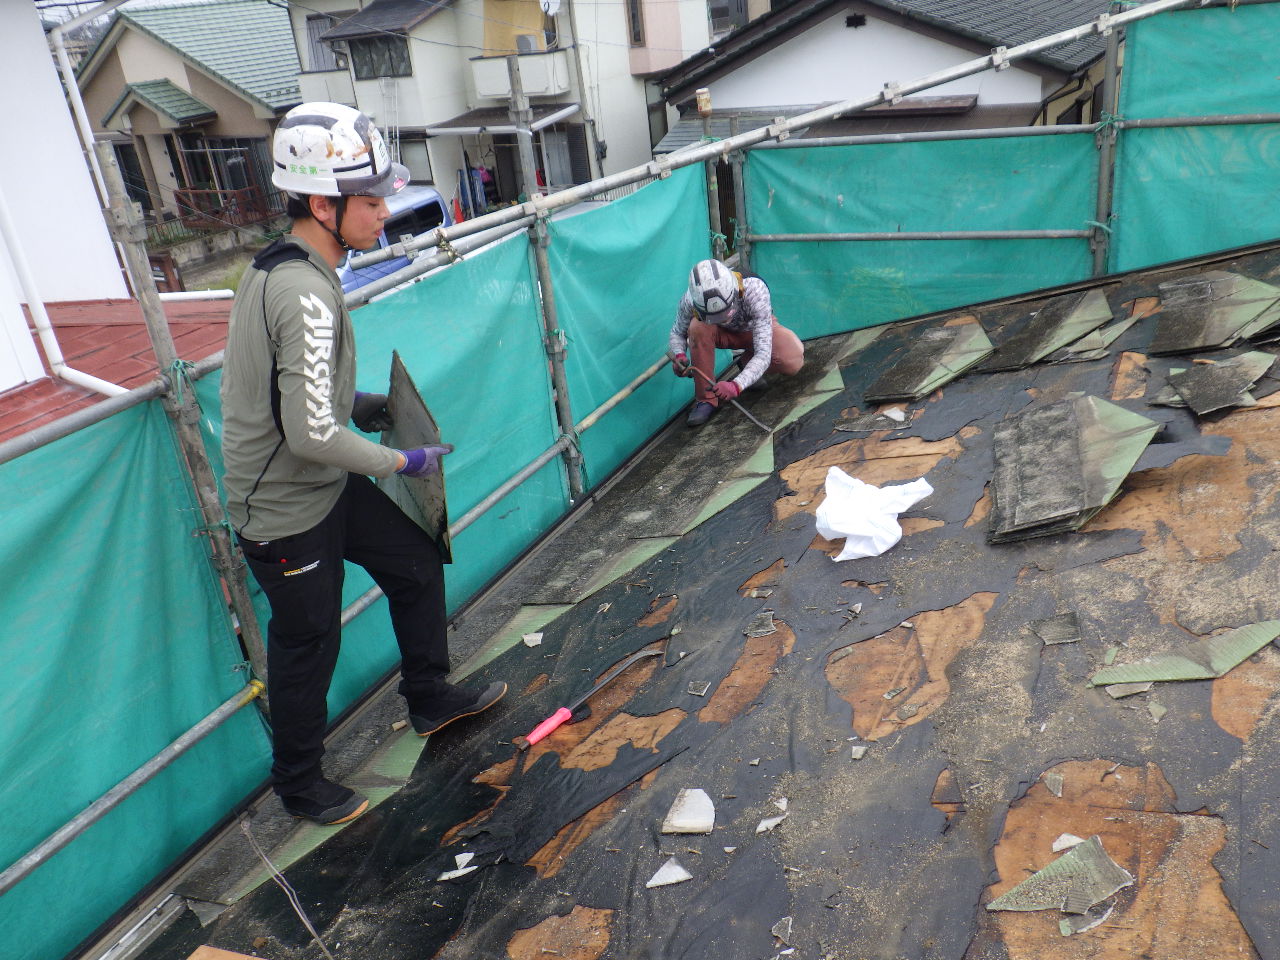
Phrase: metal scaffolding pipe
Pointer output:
(416, 268)
(1215, 120)
(592, 418)
(130, 784)
(923, 235)
(923, 136)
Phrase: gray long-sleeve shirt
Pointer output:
(291, 321)
(753, 311)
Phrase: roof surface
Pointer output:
(248, 44)
(1000, 22)
(166, 98)
(890, 743)
(383, 16)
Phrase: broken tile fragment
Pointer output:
(1204, 659)
(698, 688)
(768, 823)
(762, 625)
(858, 750)
(1066, 841)
(1064, 628)
(782, 930)
(1118, 690)
(1083, 876)
(1157, 711)
(1086, 921)
(691, 812)
(890, 694)
(669, 873)
(1053, 783)
(531, 639)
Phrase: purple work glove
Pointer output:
(680, 365)
(369, 412)
(424, 461)
(727, 389)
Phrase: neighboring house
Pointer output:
(49, 197)
(813, 52)
(190, 94)
(433, 74)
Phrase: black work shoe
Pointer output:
(701, 413)
(325, 802)
(454, 704)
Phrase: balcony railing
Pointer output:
(202, 212)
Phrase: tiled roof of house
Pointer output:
(385, 16)
(1000, 22)
(166, 98)
(248, 44)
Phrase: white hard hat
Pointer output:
(332, 150)
(712, 288)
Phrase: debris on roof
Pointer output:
(1058, 464)
(691, 812)
(935, 358)
(1210, 310)
(1061, 321)
(1211, 385)
(1204, 659)
(865, 516)
(1064, 628)
(1079, 879)
(669, 873)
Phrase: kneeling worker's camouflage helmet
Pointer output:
(332, 150)
(712, 288)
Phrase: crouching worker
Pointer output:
(297, 477)
(722, 309)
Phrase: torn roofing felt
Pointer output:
(1058, 464)
(934, 358)
(1207, 387)
(1061, 321)
(1202, 660)
(1214, 309)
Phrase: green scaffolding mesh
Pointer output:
(618, 273)
(116, 642)
(1185, 191)
(1031, 183)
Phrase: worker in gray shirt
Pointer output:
(724, 310)
(297, 477)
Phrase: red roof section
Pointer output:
(108, 338)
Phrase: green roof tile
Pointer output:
(246, 43)
(162, 95)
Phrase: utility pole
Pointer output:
(180, 404)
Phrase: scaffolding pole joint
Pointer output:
(1104, 24)
(124, 225)
(1000, 58)
(778, 130)
(892, 92)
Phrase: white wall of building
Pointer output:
(615, 98)
(46, 184)
(834, 62)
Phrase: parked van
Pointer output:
(414, 210)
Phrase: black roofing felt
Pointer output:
(385, 16)
(867, 863)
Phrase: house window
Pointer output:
(373, 57)
(320, 55)
(635, 22)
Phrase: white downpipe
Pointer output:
(48, 339)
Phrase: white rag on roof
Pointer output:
(866, 516)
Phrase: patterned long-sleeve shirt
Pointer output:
(752, 310)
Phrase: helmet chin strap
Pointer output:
(340, 205)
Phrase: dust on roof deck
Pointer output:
(904, 755)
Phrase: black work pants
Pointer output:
(302, 578)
